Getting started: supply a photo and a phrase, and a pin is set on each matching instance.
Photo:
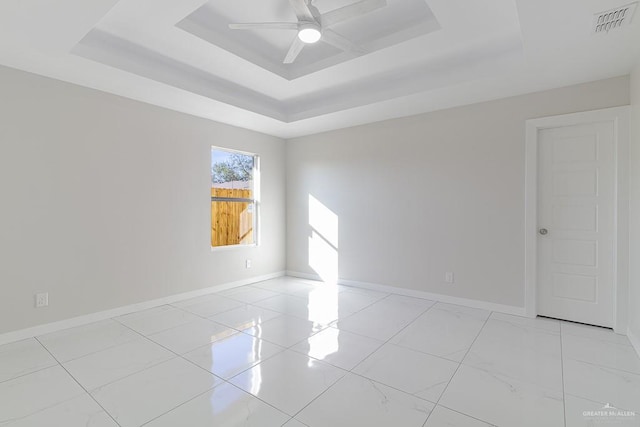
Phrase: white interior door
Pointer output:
(576, 223)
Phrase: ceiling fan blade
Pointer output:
(302, 10)
(294, 50)
(353, 10)
(265, 26)
(342, 43)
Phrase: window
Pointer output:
(234, 201)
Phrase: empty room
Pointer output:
(319, 213)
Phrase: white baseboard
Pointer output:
(634, 339)
(485, 305)
(108, 314)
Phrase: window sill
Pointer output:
(232, 247)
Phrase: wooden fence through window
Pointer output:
(231, 222)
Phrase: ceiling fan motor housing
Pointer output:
(309, 32)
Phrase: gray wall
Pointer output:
(634, 212)
(105, 201)
(420, 196)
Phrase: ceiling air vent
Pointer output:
(606, 21)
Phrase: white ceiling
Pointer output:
(424, 55)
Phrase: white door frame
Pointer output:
(620, 117)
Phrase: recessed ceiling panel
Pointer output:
(398, 21)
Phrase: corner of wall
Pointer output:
(634, 210)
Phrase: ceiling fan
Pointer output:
(313, 26)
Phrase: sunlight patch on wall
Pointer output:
(323, 242)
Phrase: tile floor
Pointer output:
(290, 352)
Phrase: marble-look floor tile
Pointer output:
(77, 342)
(353, 301)
(603, 353)
(503, 401)
(114, 363)
(385, 318)
(601, 384)
(244, 317)
(371, 324)
(586, 413)
(157, 319)
(319, 306)
(593, 332)
(225, 405)
(290, 367)
(141, 397)
(346, 288)
(301, 308)
(231, 355)
(34, 392)
(411, 371)
(357, 401)
(316, 283)
(23, 357)
(288, 380)
(445, 330)
(551, 325)
(288, 285)
(284, 330)
(339, 348)
(248, 294)
(294, 423)
(443, 417)
(403, 304)
(340, 303)
(190, 336)
(81, 411)
(208, 305)
(518, 351)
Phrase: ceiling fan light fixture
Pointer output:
(309, 33)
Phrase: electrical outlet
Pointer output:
(42, 300)
(248, 263)
(448, 277)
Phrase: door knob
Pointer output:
(543, 231)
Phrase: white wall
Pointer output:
(419, 196)
(634, 212)
(105, 202)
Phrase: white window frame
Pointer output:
(255, 200)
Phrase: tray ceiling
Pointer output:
(399, 21)
(422, 55)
